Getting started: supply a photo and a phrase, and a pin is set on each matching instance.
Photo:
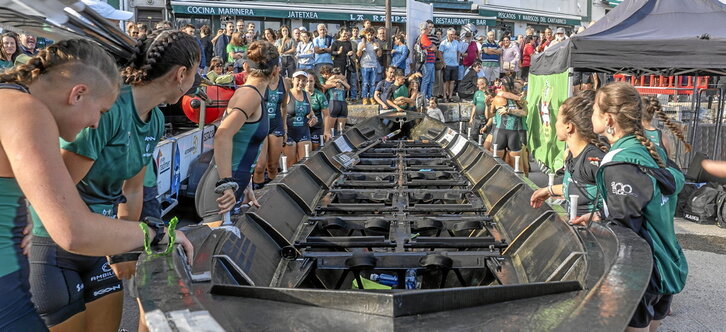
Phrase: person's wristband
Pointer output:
(158, 226)
(224, 181)
(550, 191)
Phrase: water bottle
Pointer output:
(385, 279)
(411, 279)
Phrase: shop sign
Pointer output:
(289, 14)
(459, 21)
(529, 18)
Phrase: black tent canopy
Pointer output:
(664, 37)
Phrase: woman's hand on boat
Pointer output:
(250, 198)
(226, 201)
(186, 244)
(538, 197)
(583, 219)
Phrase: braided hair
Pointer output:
(83, 56)
(578, 111)
(623, 101)
(159, 53)
(652, 107)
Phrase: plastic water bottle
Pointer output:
(385, 279)
(411, 279)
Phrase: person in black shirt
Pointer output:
(342, 50)
(584, 153)
(207, 47)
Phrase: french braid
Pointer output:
(80, 53)
(578, 111)
(159, 53)
(623, 101)
(640, 136)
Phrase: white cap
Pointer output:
(107, 11)
(300, 73)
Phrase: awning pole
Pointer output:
(695, 102)
(719, 118)
(388, 25)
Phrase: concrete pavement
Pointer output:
(701, 306)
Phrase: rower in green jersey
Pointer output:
(509, 132)
(584, 154)
(109, 165)
(320, 132)
(640, 192)
(60, 91)
(478, 118)
(120, 148)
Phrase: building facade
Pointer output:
(512, 16)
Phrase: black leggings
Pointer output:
(338, 109)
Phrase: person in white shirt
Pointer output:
(433, 110)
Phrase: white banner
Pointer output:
(163, 156)
(416, 12)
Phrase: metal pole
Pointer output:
(719, 119)
(202, 113)
(388, 25)
(694, 107)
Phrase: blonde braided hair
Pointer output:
(652, 107)
(623, 101)
(81, 54)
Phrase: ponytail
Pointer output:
(674, 128)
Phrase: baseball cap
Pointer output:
(107, 11)
(480, 36)
(560, 30)
(302, 29)
(299, 73)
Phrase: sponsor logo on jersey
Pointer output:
(106, 267)
(106, 290)
(622, 189)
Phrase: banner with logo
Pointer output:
(545, 94)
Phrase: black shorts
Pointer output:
(511, 140)
(297, 134)
(652, 306)
(338, 109)
(62, 282)
(451, 73)
(277, 128)
(316, 133)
